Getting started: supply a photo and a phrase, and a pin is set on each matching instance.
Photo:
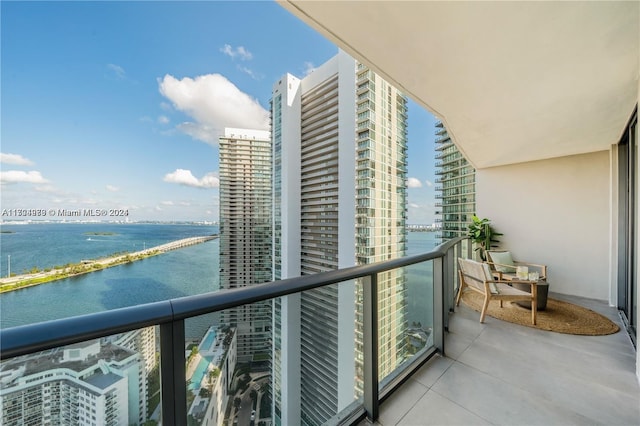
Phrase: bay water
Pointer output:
(183, 272)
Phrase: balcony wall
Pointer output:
(556, 212)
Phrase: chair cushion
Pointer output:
(489, 277)
(503, 258)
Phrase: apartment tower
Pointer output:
(89, 383)
(245, 233)
(455, 188)
(339, 140)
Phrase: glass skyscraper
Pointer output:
(455, 187)
(340, 144)
(245, 233)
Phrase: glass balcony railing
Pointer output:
(140, 364)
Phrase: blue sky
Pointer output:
(118, 105)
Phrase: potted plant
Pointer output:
(483, 235)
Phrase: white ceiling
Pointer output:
(512, 81)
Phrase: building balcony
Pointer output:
(442, 138)
(530, 151)
(542, 377)
(506, 118)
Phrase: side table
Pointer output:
(541, 296)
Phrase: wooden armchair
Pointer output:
(503, 267)
(478, 277)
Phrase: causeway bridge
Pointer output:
(86, 266)
(174, 245)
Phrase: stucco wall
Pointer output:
(554, 212)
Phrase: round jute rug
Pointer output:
(561, 317)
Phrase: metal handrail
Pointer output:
(21, 340)
(170, 315)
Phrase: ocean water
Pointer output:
(45, 245)
(183, 272)
(420, 280)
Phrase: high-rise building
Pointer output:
(143, 342)
(89, 383)
(455, 187)
(245, 233)
(340, 142)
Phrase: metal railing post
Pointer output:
(438, 305)
(370, 337)
(173, 374)
(456, 284)
(448, 276)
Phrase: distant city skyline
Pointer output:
(101, 112)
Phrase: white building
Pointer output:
(121, 362)
(89, 383)
(339, 140)
(143, 342)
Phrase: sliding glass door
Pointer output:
(628, 228)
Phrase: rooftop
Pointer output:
(50, 360)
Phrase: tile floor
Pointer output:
(505, 374)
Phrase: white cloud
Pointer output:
(428, 182)
(47, 189)
(210, 181)
(19, 176)
(414, 205)
(214, 103)
(239, 52)
(75, 201)
(165, 106)
(163, 119)
(117, 70)
(201, 132)
(254, 75)
(16, 159)
(414, 183)
(184, 203)
(166, 203)
(186, 178)
(112, 188)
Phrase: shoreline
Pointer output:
(21, 281)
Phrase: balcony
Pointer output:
(542, 377)
(32, 343)
(507, 92)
